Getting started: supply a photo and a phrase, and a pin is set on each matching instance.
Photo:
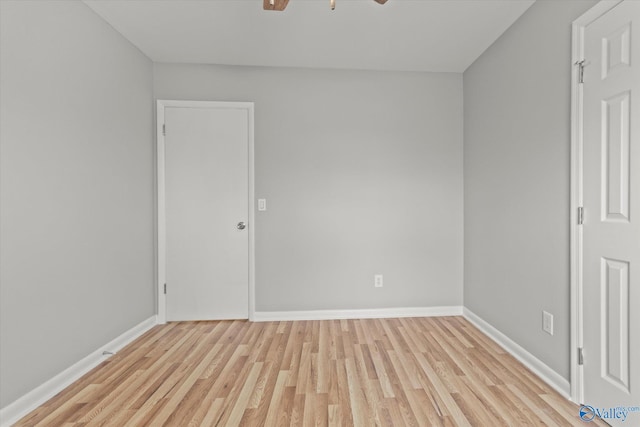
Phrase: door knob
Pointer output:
(241, 226)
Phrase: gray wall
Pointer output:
(516, 180)
(362, 172)
(76, 187)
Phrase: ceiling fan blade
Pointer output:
(381, 1)
(278, 5)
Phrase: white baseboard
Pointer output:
(548, 375)
(375, 313)
(36, 397)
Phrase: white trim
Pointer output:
(576, 242)
(39, 395)
(161, 227)
(161, 250)
(374, 313)
(252, 216)
(548, 375)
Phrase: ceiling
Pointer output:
(402, 35)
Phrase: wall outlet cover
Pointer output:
(377, 281)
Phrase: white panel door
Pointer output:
(611, 266)
(206, 199)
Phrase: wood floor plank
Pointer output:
(213, 414)
(240, 404)
(297, 412)
(520, 409)
(381, 372)
(434, 417)
(334, 416)
(372, 396)
(371, 372)
(343, 394)
(361, 416)
(276, 399)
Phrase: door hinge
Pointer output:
(580, 215)
(165, 288)
(580, 356)
(580, 65)
(164, 130)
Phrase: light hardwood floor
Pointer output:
(389, 372)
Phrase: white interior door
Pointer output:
(611, 231)
(206, 206)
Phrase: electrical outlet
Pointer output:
(377, 280)
(547, 322)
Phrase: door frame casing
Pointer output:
(161, 224)
(576, 246)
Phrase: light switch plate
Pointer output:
(262, 204)
(547, 322)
